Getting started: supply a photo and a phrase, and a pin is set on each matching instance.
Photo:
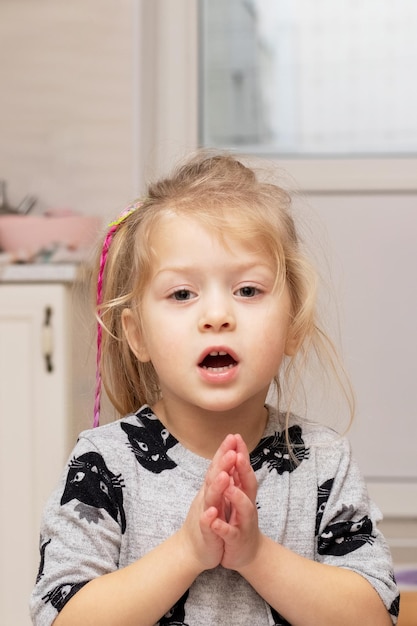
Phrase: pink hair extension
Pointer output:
(113, 226)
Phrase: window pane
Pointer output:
(303, 78)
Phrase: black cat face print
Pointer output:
(44, 545)
(59, 596)
(344, 536)
(176, 615)
(278, 619)
(150, 442)
(341, 538)
(323, 494)
(91, 483)
(395, 607)
(278, 454)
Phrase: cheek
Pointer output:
(164, 343)
(272, 350)
(272, 338)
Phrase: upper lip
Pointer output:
(217, 351)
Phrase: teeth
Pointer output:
(218, 369)
(216, 366)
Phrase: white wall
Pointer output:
(67, 124)
(373, 254)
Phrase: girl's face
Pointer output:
(213, 324)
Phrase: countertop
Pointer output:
(39, 272)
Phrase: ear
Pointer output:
(134, 336)
(292, 343)
(291, 347)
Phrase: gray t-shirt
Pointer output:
(128, 486)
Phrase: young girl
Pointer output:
(205, 505)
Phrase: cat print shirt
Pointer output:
(128, 487)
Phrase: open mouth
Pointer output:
(217, 361)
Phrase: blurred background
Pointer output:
(98, 97)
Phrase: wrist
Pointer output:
(188, 556)
(257, 559)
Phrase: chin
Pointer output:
(222, 405)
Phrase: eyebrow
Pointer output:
(238, 267)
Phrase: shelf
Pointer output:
(38, 273)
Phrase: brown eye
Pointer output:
(247, 291)
(182, 294)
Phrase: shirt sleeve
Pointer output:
(347, 528)
(81, 531)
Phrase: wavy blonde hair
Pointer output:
(228, 198)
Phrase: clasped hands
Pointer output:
(222, 523)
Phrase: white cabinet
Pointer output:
(36, 427)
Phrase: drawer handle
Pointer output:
(48, 340)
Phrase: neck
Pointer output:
(202, 431)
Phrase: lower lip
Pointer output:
(218, 376)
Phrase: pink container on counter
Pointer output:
(28, 234)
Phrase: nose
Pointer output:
(217, 318)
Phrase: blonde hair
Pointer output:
(228, 198)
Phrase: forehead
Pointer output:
(186, 236)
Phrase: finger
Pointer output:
(224, 530)
(214, 492)
(243, 509)
(247, 477)
(223, 460)
(235, 478)
(228, 443)
(243, 454)
(241, 445)
(213, 544)
(207, 518)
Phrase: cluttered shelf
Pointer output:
(46, 246)
(38, 272)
